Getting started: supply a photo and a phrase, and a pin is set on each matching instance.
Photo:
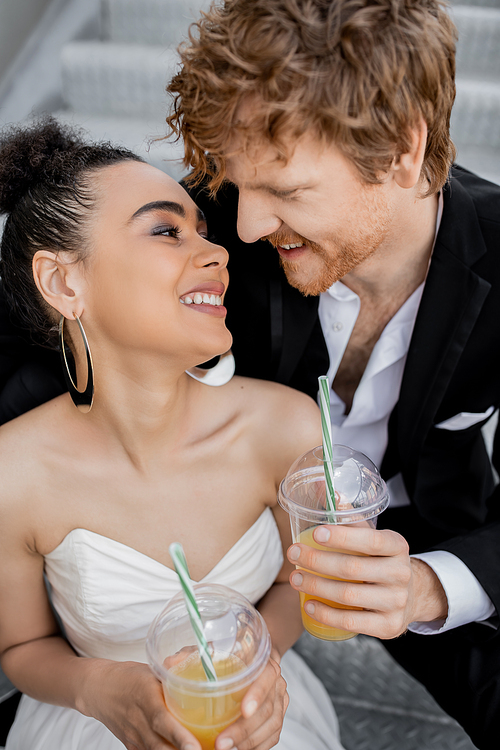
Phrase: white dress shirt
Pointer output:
(365, 428)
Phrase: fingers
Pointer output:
(169, 733)
(261, 731)
(364, 540)
(388, 571)
(176, 658)
(383, 625)
(155, 732)
(383, 608)
(349, 594)
(350, 567)
(259, 691)
(267, 733)
(364, 555)
(263, 709)
(366, 572)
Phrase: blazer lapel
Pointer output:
(299, 317)
(451, 302)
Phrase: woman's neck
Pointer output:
(142, 407)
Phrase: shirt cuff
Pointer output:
(467, 600)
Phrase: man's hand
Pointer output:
(379, 576)
(263, 710)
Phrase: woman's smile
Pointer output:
(206, 298)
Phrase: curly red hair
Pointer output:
(358, 73)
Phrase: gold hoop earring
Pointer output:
(82, 399)
(220, 374)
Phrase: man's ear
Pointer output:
(407, 167)
(59, 282)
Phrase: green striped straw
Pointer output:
(180, 565)
(326, 429)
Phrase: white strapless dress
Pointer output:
(107, 594)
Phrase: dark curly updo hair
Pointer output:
(47, 193)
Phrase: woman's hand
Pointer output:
(128, 699)
(263, 710)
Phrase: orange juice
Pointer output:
(313, 626)
(208, 714)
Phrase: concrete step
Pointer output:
(116, 79)
(143, 136)
(476, 3)
(33, 81)
(159, 22)
(120, 79)
(478, 48)
(165, 22)
(107, 81)
(475, 119)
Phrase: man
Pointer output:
(322, 127)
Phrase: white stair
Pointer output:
(476, 115)
(117, 79)
(150, 21)
(475, 120)
(479, 3)
(143, 136)
(113, 79)
(478, 50)
(117, 86)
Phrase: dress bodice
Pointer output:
(107, 594)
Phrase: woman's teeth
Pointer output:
(292, 245)
(201, 299)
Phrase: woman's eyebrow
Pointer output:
(172, 206)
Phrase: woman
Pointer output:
(94, 495)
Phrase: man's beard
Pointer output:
(332, 269)
(329, 266)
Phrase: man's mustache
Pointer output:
(278, 239)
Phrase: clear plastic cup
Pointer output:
(361, 495)
(240, 647)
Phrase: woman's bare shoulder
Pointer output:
(32, 424)
(23, 443)
(285, 422)
(275, 398)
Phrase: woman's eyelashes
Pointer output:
(169, 230)
(166, 230)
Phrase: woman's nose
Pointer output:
(211, 254)
(255, 218)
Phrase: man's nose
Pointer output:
(255, 218)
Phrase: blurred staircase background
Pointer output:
(104, 64)
(110, 62)
(475, 124)
(115, 86)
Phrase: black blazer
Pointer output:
(452, 367)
